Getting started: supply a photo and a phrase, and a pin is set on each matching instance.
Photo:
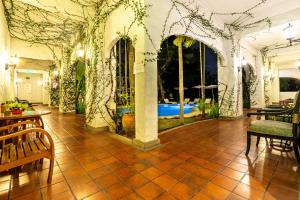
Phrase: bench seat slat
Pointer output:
(5, 154)
(27, 149)
(33, 146)
(46, 143)
(20, 151)
(40, 145)
(13, 153)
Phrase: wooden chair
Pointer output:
(288, 131)
(278, 108)
(25, 146)
(186, 100)
(167, 101)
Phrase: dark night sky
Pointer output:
(191, 67)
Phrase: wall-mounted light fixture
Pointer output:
(55, 73)
(14, 60)
(80, 53)
(290, 34)
(40, 82)
(266, 77)
(298, 64)
(19, 80)
(244, 61)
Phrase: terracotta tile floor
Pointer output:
(201, 161)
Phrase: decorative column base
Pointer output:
(105, 128)
(146, 146)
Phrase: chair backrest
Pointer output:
(166, 101)
(297, 102)
(196, 100)
(186, 100)
(208, 101)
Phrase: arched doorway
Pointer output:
(200, 80)
(249, 82)
(123, 55)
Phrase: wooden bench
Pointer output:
(28, 144)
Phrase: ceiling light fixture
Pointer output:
(80, 53)
(290, 34)
(244, 61)
(298, 64)
(14, 61)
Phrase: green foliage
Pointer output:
(79, 67)
(125, 102)
(15, 105)
(54, 86)
(185, 41)
(80, 108)
(213, 111)
(202, 105)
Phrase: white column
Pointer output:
(230, 83)
(146, 101)
(67, 84)
(258, 96)
(100, 87)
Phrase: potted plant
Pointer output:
(214, 111)
(128, 121)
(16, 108)
(2, 107)
(202, 106)
(128, 116)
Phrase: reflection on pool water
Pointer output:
(173, 109)
(164, 110)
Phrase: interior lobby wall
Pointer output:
(5, 74)
(290, 72)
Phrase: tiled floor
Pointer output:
(201, 161)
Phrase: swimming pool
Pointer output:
(165, 110)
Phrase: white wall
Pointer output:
(35, 51)
(5, 75)
(30, 87)
(290, 72)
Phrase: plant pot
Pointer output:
(2, 108)
(16, 112)
(7, 113)
(128, 123)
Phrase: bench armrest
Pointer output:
(10, 127)
(27, 131)
(274, 113)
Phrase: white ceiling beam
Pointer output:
(283, 18)
(65, 8)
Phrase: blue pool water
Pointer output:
(164, 109)
(173, 109)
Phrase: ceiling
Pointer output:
(273, 36)
(273, 9)
(43, 21)
(269, 8)
(34, 64)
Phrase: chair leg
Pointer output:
(51, 170)
(248, 143)
(295, 145)
(257, 141)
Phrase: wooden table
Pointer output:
(26, 115)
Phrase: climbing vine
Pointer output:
(54, 86)
(51, 26)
